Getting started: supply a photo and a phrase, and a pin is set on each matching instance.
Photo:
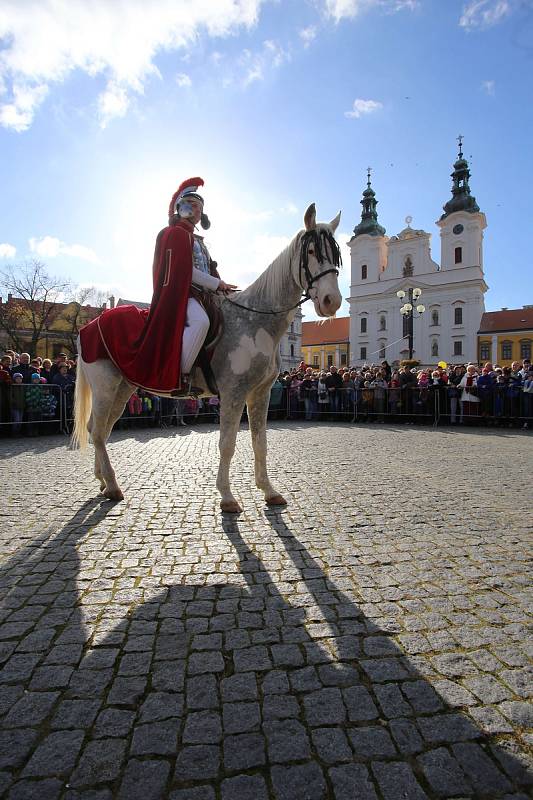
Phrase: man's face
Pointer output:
(24, 358)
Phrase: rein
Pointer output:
(320, 241)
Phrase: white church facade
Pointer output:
(452, 290)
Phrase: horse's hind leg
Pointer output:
(257, 403)
(108, 481)
(230, 417)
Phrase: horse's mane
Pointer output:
(272, 282)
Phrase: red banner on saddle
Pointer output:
(145, 344)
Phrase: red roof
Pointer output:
(331, 331)
(511, 319)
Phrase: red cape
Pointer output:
(145, 345)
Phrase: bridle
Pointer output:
(320, 240)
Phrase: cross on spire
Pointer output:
(460, 140)
(368, 171)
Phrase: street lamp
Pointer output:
(408, 311)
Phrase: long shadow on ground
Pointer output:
(271, 683)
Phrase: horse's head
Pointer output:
(317, 263)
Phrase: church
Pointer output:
(451, 303)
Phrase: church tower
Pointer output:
(462, 224)
(368, 243)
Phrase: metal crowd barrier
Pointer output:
(34, 409)
(432, 405)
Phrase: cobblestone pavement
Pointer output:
(367, 642)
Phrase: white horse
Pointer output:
(245, 363)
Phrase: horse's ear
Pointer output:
(310, 218)
(334, 224)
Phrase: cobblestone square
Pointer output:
(368, 641)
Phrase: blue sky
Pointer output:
(106, 106)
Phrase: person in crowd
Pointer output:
(454, 394)
(485, 385)
(527, 391)
(386, 370)
(17, 403)
(25, 368)
(46, 368)
(469, 396)
(380, 386)
(32, 402)
(348, 394)
(277, 393)
(48, 407)
(322, 393)
(309, 394)
(334, 383)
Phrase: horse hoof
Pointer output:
(230, 507)
(276, 500)
(114, 494)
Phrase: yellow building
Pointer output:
(326, 344)
(55, 326)
(505, 336)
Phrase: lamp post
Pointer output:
(408, 311)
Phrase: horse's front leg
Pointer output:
(257, 403)
(230, 417)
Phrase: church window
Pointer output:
(362, 353)
(458, 315)
(435, 317)
(434, 348)
(382, 350)
(525, 348)
(364, 272)
(507, 350)
(484, 351)
(458, 348)
(383, 323)
(363, 324)
(407, 267)
(292, 327)
(458, 255)
(292, 351)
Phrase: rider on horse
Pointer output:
(185, 212)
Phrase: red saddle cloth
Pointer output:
(145, 344)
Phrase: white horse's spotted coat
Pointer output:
(248, 348)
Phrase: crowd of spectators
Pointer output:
(36, 392)
(488, 394)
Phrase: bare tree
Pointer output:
(36, 301)
(74, 312)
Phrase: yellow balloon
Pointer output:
(442, 364)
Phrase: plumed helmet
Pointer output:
(188, 190)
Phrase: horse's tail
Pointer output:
(82, 406)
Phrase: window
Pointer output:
(383, 323)
(363, 324)
(292, 351)
(315, 361)
(458, 315)
(525, 348)
(330, 360)
(435, 317)
(362, 354)
(382, 351)
(434, 348)
(458, 255)
(458, 348)
(407, 267)
(364, 272)
(507, 350)
(344, 359)
(292, 327)
(484, 351)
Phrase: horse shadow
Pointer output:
(255, 667)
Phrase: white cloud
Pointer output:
(182, 79)
(307, 35)
(255, 66)
(349, 9)
(51, 247)
(488, 86)
(43, 41)
(7, 250)
(362, 107)
(484, 13)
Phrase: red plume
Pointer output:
(186, 183)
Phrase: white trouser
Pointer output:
(194, 334)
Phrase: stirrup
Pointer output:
(202, 359)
